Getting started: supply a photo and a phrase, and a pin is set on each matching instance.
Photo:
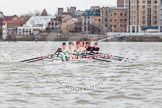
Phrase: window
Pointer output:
(143, 22)
(155, 7)
(143, 12)
(155, 1)
(88, 27)
(155, 17)
(143, 18)
(121, 14)
(155, 12)
(85, 28)
(143, 7)
(143, 1)
(114, 13)
(155, 22)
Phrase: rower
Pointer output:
(95, 48)
(71, 50)
(78, 50)
(59, 53)
(82, 46)
(64, 47)
(89, 49)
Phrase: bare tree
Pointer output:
(67, 26)
(97, 27)
(35, 13)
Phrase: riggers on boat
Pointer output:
(60, 56)
(78, 53)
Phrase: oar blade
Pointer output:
(30, 59)
(35, 60)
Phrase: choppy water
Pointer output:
(84, 84)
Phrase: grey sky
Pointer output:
(10, 7)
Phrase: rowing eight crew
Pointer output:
(76, 52)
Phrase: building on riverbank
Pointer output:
(34, 25)
(144, 15)
(1, 23)
(122, 3)
(54, 24)
(9, 27)
(114, 19)
(2, 18)
(92, 21)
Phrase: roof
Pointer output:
(1, 15)
(12, 21)
(44, 12)
(37, 20)
(118, 8)
(9, 17)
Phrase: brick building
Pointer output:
(10, 28)
(54, 24)
(122, 3)
(114, 19)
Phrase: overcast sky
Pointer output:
(10, 7)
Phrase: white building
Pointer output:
(34, 25)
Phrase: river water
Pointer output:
(81, 84)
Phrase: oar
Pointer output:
(102, 60)
(120, 58)
(36, 59)
(42, 58)
(96, 58)
(30, 59)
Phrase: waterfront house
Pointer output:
(92, 21)
(34, 26)
(9, 28)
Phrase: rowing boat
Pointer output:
(95, 57)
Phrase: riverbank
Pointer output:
(85, 37)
